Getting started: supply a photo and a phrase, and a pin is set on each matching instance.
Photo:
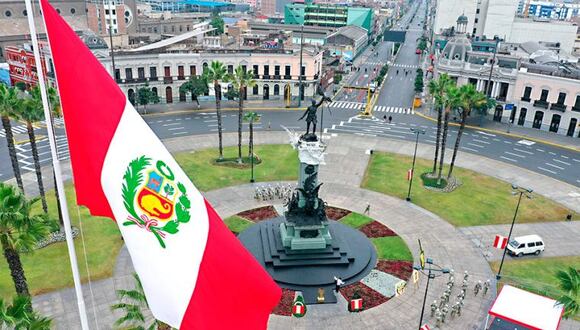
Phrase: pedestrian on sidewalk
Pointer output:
(367, 210)
(337, 283)
(390, 119)
(385, 118)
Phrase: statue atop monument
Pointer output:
(311, 115)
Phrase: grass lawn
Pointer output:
(48, 269)
(356, 220)
(480, 200)
(237, 224)
(535, 274)
(392, 248)
(279, 163)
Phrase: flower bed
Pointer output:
(371, 298)
(335, 213)
(284, 307)
(376, 229)
(399, 268)
(259, 214)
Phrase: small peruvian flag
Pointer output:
(409, 174)
(500, 242)
(425, 327)
(356, 305)
(299, 308)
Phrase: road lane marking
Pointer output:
(552, 153)
(508, 142)
(540, 150)
(210, 120)
(523, 151)
(510, 159)
(475, 145)
(555, 166)
(484, 142)
(178, 133)
(175, 128)
(516, 155)
(467, 148)
(561, 162)
(171, 124)
(547, 170)
(576, 160)
(566, 157)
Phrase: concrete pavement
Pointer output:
(347, 160)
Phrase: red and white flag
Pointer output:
(500, 242)
(425, 327)
(409, 174)
(194, 271)
(356, 304)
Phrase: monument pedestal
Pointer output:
(305, 237)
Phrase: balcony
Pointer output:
(130, 80)
(576, 108)
(541, 104)
(167, 80)
(500, 98)
(558, 107)
(153, 78)
(287, 77)
(256, 76)
(141, 79)
(266, 76)
(526, 99)
(277, 76)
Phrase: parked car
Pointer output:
(529, 244)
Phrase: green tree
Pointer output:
(32, 111)
(470, 98)
(216, 72)
(451, 100)
(133, 304)
(9, 102)
(419, 81)
(196, 86)
(19, 315)
(20, 86)
(251, 117)
(19, 231)
(241, 80)
(437, 90)
(146, 95)
(217, 23)
(569, 283)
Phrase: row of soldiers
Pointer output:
(441, 309)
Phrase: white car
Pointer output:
(529, 244)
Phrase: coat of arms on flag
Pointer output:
(299, 308)
(158, 204)
(500, 242)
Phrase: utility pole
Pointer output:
(300, 89)
(417, 132)
(433, 271)
(488, 90)
(111, 37)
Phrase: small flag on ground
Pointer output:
(425, 327)
(500, 242)
(195, 273)
(298, 308)
(409, 174)
(356, 305)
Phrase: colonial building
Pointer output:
(275, 71)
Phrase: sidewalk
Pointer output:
(503, 128)
(226, 105)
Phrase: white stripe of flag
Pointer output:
(500, 242)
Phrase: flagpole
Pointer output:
(57, 169)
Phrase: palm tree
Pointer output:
(132, 303)
(437, 89)
(8, 103)
(19, 315)
(450, 102)
(54, 103)
(19, 231)
(31, 111)
(216, 72)
(251, 117)
(569, 283)
(241, 80)
(470, 99)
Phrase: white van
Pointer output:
(529, 244)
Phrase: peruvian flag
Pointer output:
(425, 327)
(195, 273)
(298, 309)
(409, 174)
(356, 304)
(500, 242)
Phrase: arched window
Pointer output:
(276, 89)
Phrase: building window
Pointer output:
(73, 11)
(180, 28)
(188, 28)
(128, 74)
(303, 71)
(244, 68)
(527, 93)
(474, 30)
(173, 28)
(276, 89)
(230, 69)
(153, 72)
(141, 73)
(576, 106)
(476, 20)
(544, 96)
(255, 71)
(266, 71)
(180, 72)
(255, 90)
(106, 12)
(165, 28)
(8, 13)
(167, 71)
(24, 12)
(192, 70)
(287, 72)
(276, 72)
(114, 12)
(117, 74)
(477, 11)
(561, 98)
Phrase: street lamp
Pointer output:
(417, 132)
(521, 192)
(431, 274)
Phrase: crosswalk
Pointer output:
(347, 105)
(382, 108)
(21, 129)
(405, 66)
(374, 63)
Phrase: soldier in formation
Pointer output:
(434, 308)
(477, 288)
(444, 312)
(438, 318)
(486, 286)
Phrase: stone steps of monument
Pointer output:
(343, 260)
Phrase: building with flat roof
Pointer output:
(347, 42)
(334, 16)
(183, 6)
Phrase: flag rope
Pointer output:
(87, 267)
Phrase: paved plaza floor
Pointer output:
(346, 163)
